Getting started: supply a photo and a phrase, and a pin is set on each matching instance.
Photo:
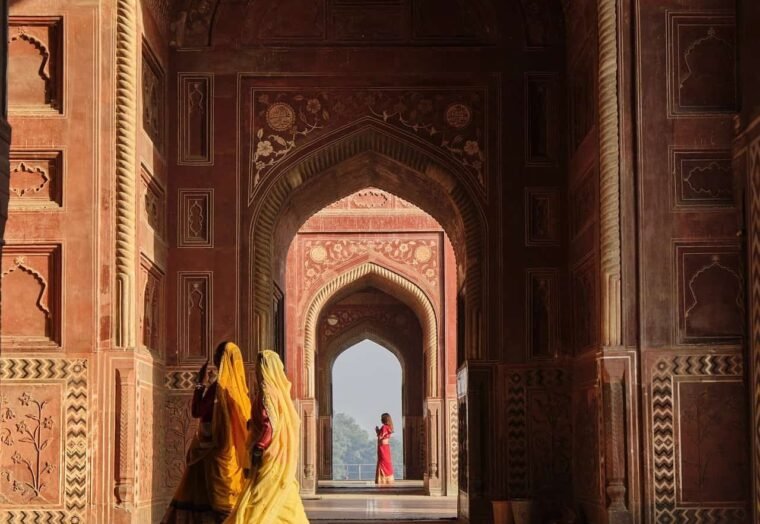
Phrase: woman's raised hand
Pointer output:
(202, 373)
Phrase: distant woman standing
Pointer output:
(384, 471)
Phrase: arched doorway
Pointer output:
(366, 380)
(374, 317)
(370, 154)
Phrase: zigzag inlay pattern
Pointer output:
(73, 373)
(662, 413)
(754, 267)
(519, 381)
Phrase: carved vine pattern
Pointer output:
(453, 122)
(31, 430)
(322, 255)
(179, 430)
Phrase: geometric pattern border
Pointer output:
(185, 379)
(666, 370)
(73, 374)
(519, 381)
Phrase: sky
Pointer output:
(367, 383)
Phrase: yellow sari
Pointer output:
(271, 495)
(218, 454)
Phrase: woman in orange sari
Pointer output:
(217, 456)
(384, 471)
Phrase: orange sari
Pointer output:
(217, 456)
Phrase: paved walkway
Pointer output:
(362, 502)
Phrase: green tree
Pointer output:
(354, 445)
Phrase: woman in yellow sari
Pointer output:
(218, 454)
(271, 494)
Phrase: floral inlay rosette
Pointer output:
(453, 121)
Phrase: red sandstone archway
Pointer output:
(368, 154)
(402, 336)
(364, 275)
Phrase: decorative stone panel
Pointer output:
(710, 290)
(196, 218)
(196, 119)
(698, 466)
(195, 316)
(44, 440)
(35, 63)
(701, 63)
(36, 179)
(31, 312)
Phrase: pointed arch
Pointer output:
(368, 155)
(383, 278)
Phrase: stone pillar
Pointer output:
(452, 447)
(613, 415)
(307, 467)
(125, 439)
(126, 171)
(324, 448)
(5, 130)
(433, 410)
(609, 175)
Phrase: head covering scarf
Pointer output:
(272, 495)
(229, 429)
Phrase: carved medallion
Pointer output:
(280, 116)
(458, 116)
(318, 254)
(422, 254)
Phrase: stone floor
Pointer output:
(349, 503)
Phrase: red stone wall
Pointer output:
(481, 115)
(747, 166)
(691, 263)
(49, 275)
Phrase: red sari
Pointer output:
(384, 471)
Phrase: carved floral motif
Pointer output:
(27, 432)
(450, 120)
(321, 255)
